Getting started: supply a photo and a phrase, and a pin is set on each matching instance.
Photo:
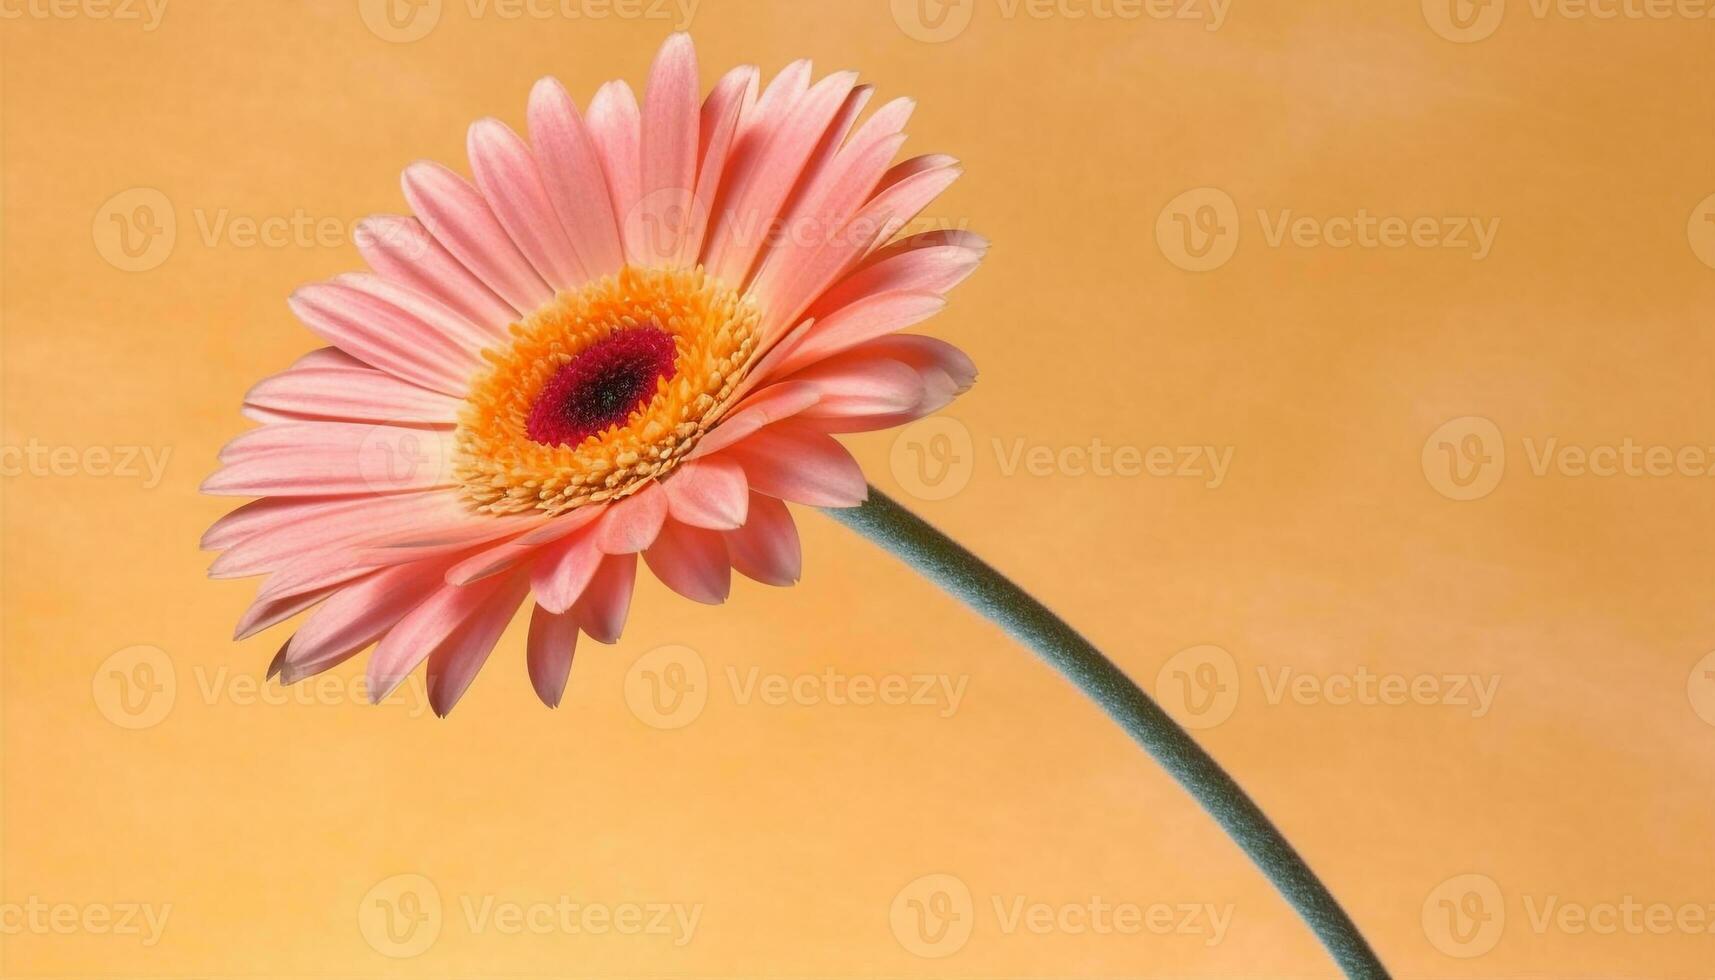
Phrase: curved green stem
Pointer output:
(943, 561)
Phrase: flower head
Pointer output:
(636, 333)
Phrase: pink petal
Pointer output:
(802, 214)
(271, 611)
(271, 513)
(817, 170)
(323, 526)
(936, 238)
(763, 370)
(460, 219)
(865, 384)
(883, 124)
(403, 251)
(356, 616)
(455, 663)
(709, 493)
(327, 357)
(429, 354)
(904, 192)
(455, 533)
(314, 572)
(901, 197)
(360, 393)
(507, 175)
(573, 177)
(669, 148)
(916, 166)
(766, 548)
(926, 269)
(797, 463)
(945, 372)
(440, 318)
(718, 132)
(564, 524)
(838, 195)
(437, 620)
(776, 103)
(923, 354)
(757, 200)
(491, 561)
(553, 641)
(299, 459)
(351, 560)
(866, 319)
(615, 127)
(267, 416)
(770, 405)
(602, 609)
(834, 137)
(564, 570)
(691, 561)
(630, 525)
(760, 118)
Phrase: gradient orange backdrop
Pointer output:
(1443, 607)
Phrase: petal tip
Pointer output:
(279, 661)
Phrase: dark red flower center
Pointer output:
(601, 386)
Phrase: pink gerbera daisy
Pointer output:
(636, 333)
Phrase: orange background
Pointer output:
(1333, 543)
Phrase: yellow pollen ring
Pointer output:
(501, 470)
